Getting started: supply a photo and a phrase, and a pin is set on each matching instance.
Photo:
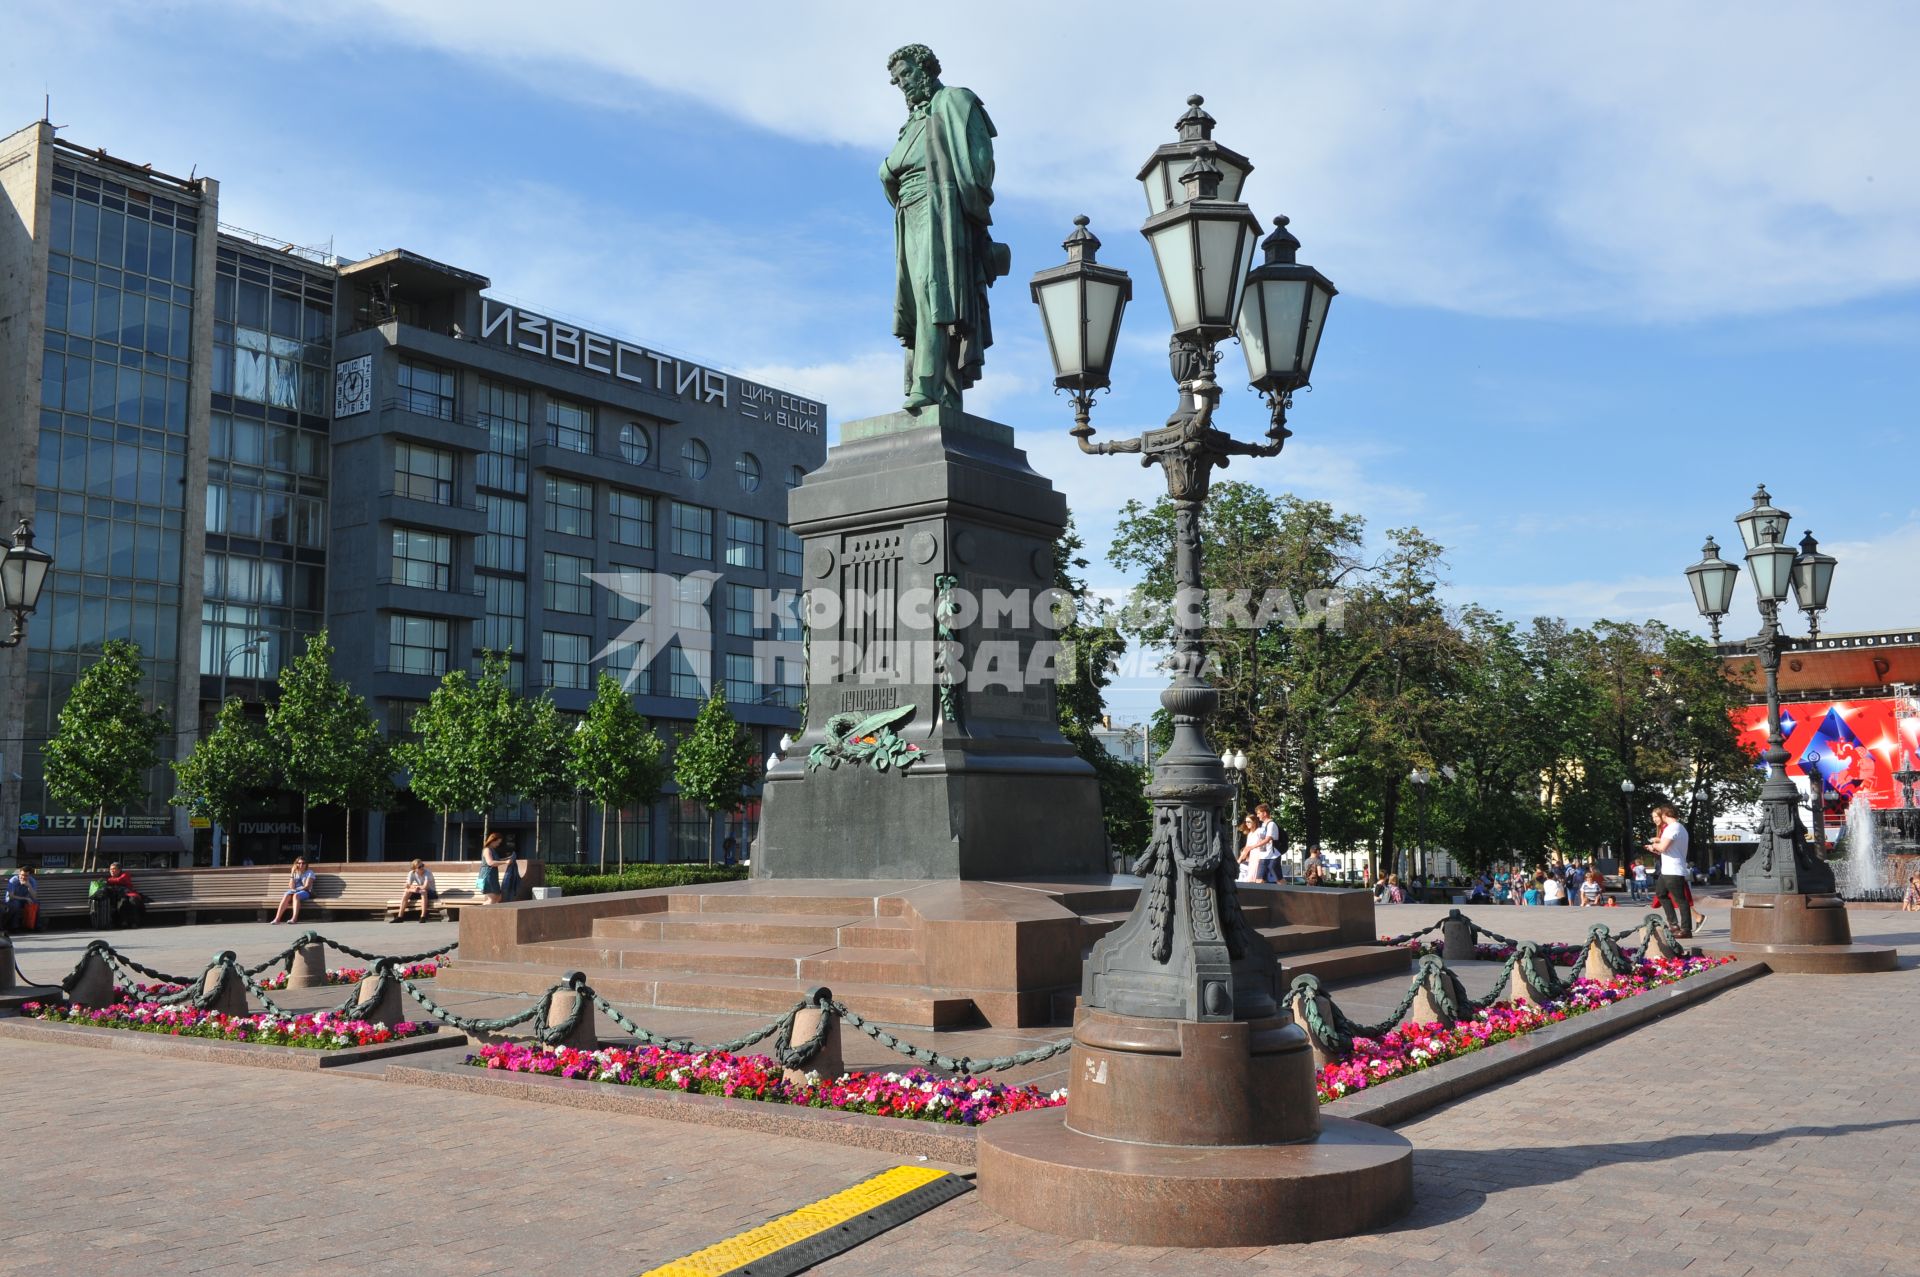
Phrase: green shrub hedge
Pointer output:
(581, 880)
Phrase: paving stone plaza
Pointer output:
(1765, 1131)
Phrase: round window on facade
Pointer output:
(747, 469)
(694, 458)
(795, 476)
(636, 445)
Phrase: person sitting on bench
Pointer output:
(500, 872)
(299, 888)
(419, 884)
(23, 901)
(128, 905)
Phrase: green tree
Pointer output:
(1091, 645)
(617, 758)
(105, 742)
(326, 742)
(431, 756)
(368, 784)
(492, 742)
(1281, 654)
(227, 768)
(548, 774)
(715, 762)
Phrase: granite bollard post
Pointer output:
(1456, 938)
(828, 1061)
(381, 998)
(92, 983)
(573, 1004)
(307, 968)
(222, 988)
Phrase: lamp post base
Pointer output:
(1193, 1134)
(1800, 932)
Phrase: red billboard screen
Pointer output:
(1856, 746)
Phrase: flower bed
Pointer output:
(1418, 1046)
(319, 1030)
(278, 980)
(354, 975)
(915, 1094)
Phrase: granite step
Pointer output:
(739, 902)
(757, 928)
(673, 957)
(1347, 962)
(634, 992)
(864, 966)
(882, 933)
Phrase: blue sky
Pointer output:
(1602, 269)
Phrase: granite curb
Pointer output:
(1411, 1095)
(905, 1137)
(254, 1054)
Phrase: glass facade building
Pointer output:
(229, 445)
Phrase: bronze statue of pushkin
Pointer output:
(939, 179)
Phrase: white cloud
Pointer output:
(1640, 161)
(1874, 588)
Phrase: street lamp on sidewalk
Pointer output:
(1419, 777)
(1234, 762)
(226, 662)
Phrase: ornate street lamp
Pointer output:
(1080, 308)
(1812, 578)
(1762, 522)
(1160, 176)
(1281, 315)
(1186, 952)
(1781, 863)
(23, 573)
(1713, 579)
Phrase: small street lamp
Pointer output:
(1626, 822)
(1781, 862)
(226, 661)
(23, 572)
(1419, 778)
(1234, 763)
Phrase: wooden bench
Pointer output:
(338, 890)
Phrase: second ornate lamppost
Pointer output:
(1785, 907)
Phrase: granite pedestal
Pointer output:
(1192, 1134)
(1801, 933)
(928, 554)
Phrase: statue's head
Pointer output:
(916, 71)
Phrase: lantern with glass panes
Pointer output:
(23, 572)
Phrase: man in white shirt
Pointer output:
(1670, 891)
(1267, 846)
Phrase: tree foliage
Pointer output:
(617, 756)
(227, 769)
(327, 745)
(105, 741)
(1341, 672)
(715, 762)
(1091, 646)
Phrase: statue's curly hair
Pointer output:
(919, 54)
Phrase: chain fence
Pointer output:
(1307, 999)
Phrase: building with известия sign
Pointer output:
(229, 443)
